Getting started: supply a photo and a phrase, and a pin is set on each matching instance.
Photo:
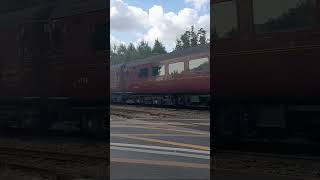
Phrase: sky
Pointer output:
(136, 20)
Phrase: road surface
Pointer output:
(160, 148)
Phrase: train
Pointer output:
(266, 70)
(180, 78)
(54, 66)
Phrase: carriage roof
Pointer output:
(172, 55)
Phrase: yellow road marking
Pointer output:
(189, 131)
(177, 135)
(166, 142)
(161, 163)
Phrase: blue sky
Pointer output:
(134, 20)
(168, 5)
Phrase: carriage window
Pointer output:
(143, 73)
(199, 64)
(275, 15)
(176, 68)
(225, 20)
(158, 70)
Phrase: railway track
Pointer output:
(58, 164)
(165, 106)
(155, 111)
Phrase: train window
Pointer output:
(275, 15)
(143, 73)
(176, 68)
(99, 38)
(199, 64)
(158, 70)
(225, 19)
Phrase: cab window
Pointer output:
(225, 20)
(275, 15)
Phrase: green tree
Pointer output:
(185, 39)
(121, 54)
(113, 52)
(131, 52)
(158, 48)
(122, 50)
(178, 44)
(193, 38)
(144, 50)
(202, 36)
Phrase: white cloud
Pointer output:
(127, 18)
(198, 4)
(168, 26)
(156, 23)
(204, 22)
(115, 41)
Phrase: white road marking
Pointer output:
(161, 152)
(160, 148)
(165, 135)
(171, 119)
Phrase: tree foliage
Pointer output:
(178, 44)
(144, 50)
(192, 39)
(158, 48)
(122, 53)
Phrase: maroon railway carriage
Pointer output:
(266, 68)
(49, 73)
(177, 78)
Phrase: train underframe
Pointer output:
(268, 121)
(54, 114)
(182, 100)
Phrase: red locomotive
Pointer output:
(178, 78)
(54, 66)
(266, 68)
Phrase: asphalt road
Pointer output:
(147, 148)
